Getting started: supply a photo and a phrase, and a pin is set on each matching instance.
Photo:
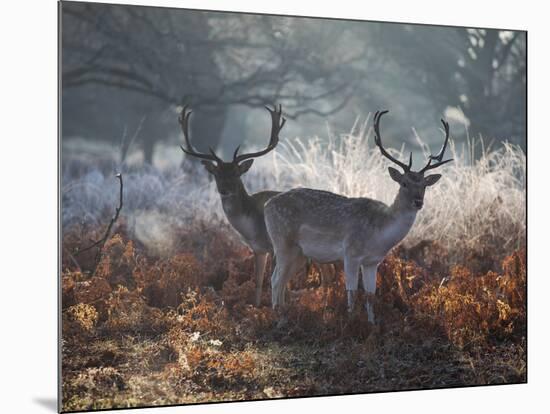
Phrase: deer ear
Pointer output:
(245, 166)
(431, 179)
(210, 167)
(395, 175)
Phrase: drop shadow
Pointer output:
(47, 402)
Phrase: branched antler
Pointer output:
(378, 142)
(407, 168)
(184, 122)
(99, 244)
(277, 123)
(439, 156)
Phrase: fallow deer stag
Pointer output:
(360, 231)
(245, 212)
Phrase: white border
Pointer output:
(29, 206)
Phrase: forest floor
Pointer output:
(145, 330)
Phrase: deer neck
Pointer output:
(243, 216)
(401, 218)
(237, 203)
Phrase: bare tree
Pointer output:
(208, 60)
(483, 71)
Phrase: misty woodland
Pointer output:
(243, 218)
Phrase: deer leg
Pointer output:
(287, 265)
(260, 262)
(351, 271)
(275, 282)
(298, 265)
(369, 284)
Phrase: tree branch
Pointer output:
(101, 242)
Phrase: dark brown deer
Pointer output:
(244, 211)
(328, 227)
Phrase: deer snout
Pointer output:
(418, 203)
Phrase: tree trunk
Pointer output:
(148, 149)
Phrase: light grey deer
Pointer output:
(359, 231)
(244, 211)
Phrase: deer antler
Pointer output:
(378, 143)
(277, 123)
(439, 156)
(184, 122)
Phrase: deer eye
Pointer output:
(404, 184)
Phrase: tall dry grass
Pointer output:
(478, 204)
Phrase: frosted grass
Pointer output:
(477, 203)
